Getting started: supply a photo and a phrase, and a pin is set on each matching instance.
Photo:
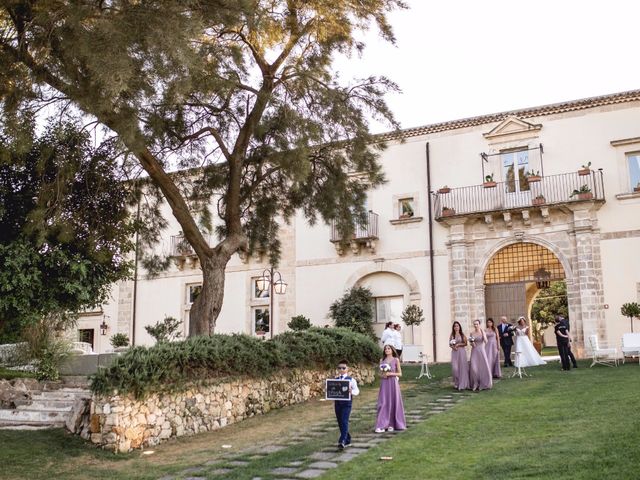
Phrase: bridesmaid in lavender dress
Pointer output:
(493, 348)
(479, 372)
(390, 407)
(459, 362)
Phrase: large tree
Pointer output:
(58, 255)
(243, 90)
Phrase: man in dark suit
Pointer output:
(565, 321)
(562, 340)
(506, 340)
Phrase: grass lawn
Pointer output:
(580, 425)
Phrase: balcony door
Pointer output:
(515, 165)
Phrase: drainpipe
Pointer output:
(135, 279)
(431, 269)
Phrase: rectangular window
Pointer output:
(515, 165)
(389, 309)
(257, 293)
(87, 335)
(633, 162)
(406, 207)
(260, 317)
(192, 293)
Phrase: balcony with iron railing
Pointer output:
(365, 235)
(532, 191)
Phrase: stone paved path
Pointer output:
(313, 452)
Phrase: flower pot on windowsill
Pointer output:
(489, 184)
(448, 212)
(538, 201)
(534, 178)
(584, 171)
(444, 190)
(260, 333)
(585, 196)
(405, 217)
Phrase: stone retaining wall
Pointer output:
(122, 423)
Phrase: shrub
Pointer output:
(168, 366)
(165, 330)
(299, 322)
(45, 346)
(354, 311)
(119, 340)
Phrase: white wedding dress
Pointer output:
(528, 357)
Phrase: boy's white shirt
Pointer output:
(352, 383)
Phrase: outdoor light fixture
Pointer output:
(103, 327)
(268, 281)
(542, 277)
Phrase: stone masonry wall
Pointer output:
(122, 423)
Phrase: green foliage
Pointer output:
(583, 189)
(243, 91)
(119, 340)
(412, 315)
(165, 330)
(354, 311)
(45, 345)
(171, 365)
(64, 226)
(299, 322)
(550, 302)
(630, 310)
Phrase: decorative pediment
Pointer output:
(512, 126)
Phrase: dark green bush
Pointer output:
(354, 311)
(168, 366)
(299, 322)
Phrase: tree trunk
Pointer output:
(207, 306)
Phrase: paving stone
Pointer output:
(356, 450)
(311, 473)
(323, 465)
(322, 455)
(187, 471)
(284, 470)
(297, 463)
(167, 477)
(360, 445)
(220, 471)
(345, 457)
(213, 462)
(195, 478)
(238, 463)
(257, 456)
(273, 448)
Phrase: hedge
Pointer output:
(169, 366)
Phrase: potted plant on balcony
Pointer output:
(539, 200)
(637, 188)
(488, 181)
(448, 211)
(444, 189)
(585, 170)
(533, 176)
(583, 193)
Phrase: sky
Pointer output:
(460, 58)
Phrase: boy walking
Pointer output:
(343, 407)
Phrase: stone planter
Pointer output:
(444, 190)
(534, 178)
(448, 212)
(489, 184)
(538, 201)
(585, 196)
(584, 171)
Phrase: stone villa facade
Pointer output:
(476, 214)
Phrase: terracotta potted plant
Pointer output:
(539, 200)
(533, 176)
(583, 193)
(585, 170)
(488, 181)
(448, 211)
(444, 189)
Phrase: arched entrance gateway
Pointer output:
(515, 274)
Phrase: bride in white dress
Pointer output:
(529, 356)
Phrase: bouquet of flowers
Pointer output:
(385, 367)
(472, 339)
(511, 328)
(452, 342)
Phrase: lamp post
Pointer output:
(278, 286)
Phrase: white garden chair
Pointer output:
(602, 356)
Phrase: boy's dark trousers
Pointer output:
(343, 410)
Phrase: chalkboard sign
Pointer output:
(337, 389)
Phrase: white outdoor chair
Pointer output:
(81, 348)
(602, 356)
(631, 346)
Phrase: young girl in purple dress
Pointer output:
(390, 407)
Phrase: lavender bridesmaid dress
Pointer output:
(479, 372)
(390, 407)
(493, 355)
(460, 366)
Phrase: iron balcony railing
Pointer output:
(536, 191)
(180, 247)
(362, 231)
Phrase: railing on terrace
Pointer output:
(549, 190)
(363, 231)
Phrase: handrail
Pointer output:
(362, 231)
